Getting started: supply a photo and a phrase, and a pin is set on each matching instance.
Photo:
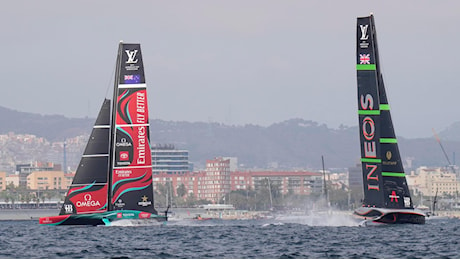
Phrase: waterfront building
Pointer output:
(297, 182)
(23, 170)
(216, 181)
(428, 181)
(355, 177)
(12, 179)
(233, 163)
(190, 180)
(167, 159)
(3, 181)
(49, 180)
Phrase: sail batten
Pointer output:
(370, 160)
(368, 112)
(388, 140)
(366, 67)
(394, 174)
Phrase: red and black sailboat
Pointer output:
(114, 178)
(386, 193)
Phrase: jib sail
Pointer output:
(88, 192)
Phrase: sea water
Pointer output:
(283, 237)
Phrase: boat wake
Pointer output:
(273, 224)
(135, 223)
(321, 219)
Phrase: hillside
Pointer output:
(294, 143)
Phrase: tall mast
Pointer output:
(112, 125)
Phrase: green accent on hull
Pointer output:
(384, 107)
(393, 174)
(369, 112)
(388, 141)
(369, 160)
(105, 218)
(366, 67)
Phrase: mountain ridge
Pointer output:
(293, 143)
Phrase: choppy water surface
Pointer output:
(299, 237)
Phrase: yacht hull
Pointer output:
(390, 216)
(103, 218)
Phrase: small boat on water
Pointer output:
(199, 217)
(386, 194)
(114, 178)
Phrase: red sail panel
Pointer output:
(127, 180)
(132, 148)
(132, 106)
(88, 199)
(131, 182)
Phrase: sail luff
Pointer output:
(112, 124)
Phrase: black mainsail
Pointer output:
(88, 192)
(385, 185)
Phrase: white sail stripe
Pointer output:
(131, 167)
(97, 183)
(101, 126)
(132, 85)
(129, 125)
(95, 155)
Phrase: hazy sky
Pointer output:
(235, 62)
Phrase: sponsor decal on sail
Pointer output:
(132, 79)
(141, 145)
(88, 202)
(393, 196)
(364, 44)
(364, 59)
(145, 202)
(364, 35)
(68, 208)
(132, 60)
(120, 203)
(407, 202)
(388, 156)
(125, 173)
(124, 156)
(140, 107)
(123, 143)
(369, 144)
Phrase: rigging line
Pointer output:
(110, 81)
(442, 147)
